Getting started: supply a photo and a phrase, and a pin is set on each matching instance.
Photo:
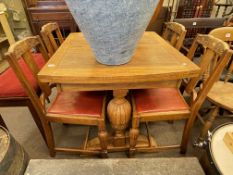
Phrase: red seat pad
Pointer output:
(159, 100)
(10, 85)
(78, 103)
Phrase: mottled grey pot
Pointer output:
(112, 27)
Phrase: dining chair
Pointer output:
(221, 94)
(224, 34)
(48, 33)
(174, 33)
(12, 93)
(84, 108)
(164, 104)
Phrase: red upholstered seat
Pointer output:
(159, 100)
(78, 103)
(10, 85)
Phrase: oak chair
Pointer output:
(12, 93)
(224, 34)
(174, 33)
(166, 104)
(85, 108)
(221, 94)
(47, 34)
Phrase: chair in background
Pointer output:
(224, 34)
(167, 104)
(221, 94)
(175, 34)
(84, 108)
(12, 93)
(48, 31)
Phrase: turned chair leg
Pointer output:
(2, 123)
(49, 138)
(208, 124)
(186, 134)
(133, 136)
(103, 137)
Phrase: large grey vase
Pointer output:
(112, 27)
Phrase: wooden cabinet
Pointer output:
(41, 12)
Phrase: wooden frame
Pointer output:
(6, 28)
(155, 15)
(22, 49)
(214, 48)
(220, 95)
(26, 101)
(51, 43)
(175, 34)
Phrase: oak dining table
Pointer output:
(155, 64)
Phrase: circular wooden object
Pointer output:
(13, 159)
(220, 154)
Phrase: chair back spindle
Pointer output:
(175, 34)
(47, 33)
(214, 50)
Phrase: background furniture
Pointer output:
(14, 159)
(7, 30)
(149, 166)
(221, 94)
(174, 33)
(84, 108)
(12, 91)
(47, 34)
(195, 8)
(155, 64)
(227, 7)
(6, 38)
(42, 12)
(198, 25)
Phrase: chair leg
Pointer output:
(2, 123)
(133, 136)
(103, 137)
(208, 124)
(37, 119)
(49, 137)
(186, 133)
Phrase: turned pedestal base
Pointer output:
(119, 113)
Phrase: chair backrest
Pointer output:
(23, 50)
(175, 34)
(223, 33)
(214, 48)
(47, 33)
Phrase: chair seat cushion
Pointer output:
(78, 103)
(159, 100)
(10, 85)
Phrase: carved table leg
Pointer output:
(119, 113)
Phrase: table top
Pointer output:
(136, 166)
(154, 60)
